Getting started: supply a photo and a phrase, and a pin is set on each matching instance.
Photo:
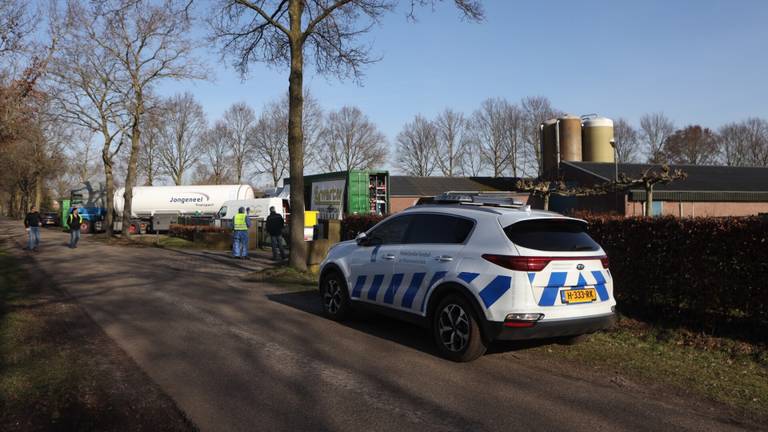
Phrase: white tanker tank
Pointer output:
(205, 200)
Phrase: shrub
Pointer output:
(709, 273)
(188, 231)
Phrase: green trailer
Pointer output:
(342, 193)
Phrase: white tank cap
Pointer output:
(597, 122)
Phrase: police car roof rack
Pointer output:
(477, 198)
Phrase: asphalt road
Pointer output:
(243, 356)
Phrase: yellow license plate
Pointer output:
(579, 295)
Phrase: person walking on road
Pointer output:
(275, 224)
(33, 223)
(240, 235)
(74, 221)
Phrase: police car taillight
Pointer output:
(517, 320)
(519, 263)
(535, 264)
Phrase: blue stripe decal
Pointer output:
(394, 284)
(530, 277)
(494, 290)
(438, 275)
(556, 281)
(358, 286)
(600, 287)
(375, 285)
(374, 252)
(410, 294)
(468, 277)
(582, 282)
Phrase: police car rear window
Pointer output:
(552, 235)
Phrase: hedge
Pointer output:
(708, 274)
(188, 231)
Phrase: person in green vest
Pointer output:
(74, 221)
(241, 223)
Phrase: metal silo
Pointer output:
(597, 133)
(569, 137)
(548, 146)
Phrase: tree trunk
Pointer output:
(38, 190)
(546, 201)
(110, 186)
(649, 200)
(130, 178)
(298, 259)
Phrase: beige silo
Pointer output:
(597, 134)
(569, 137)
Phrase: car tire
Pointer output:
(456, 330)
(334, 297)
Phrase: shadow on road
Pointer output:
(391, 329)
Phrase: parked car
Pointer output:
(474, 272)
(50, 219)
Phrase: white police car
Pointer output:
(474, 270)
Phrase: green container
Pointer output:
(366, 191)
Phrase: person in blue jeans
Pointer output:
(275, 224)
(241, 223)
(74, 221)
(33, 223)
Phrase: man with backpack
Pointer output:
(74, 221)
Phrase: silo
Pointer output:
(569, 129)
(597, 135)
(548, 146)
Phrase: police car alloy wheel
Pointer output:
(457, 331)
(335, 298)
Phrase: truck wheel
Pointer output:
(85, 227)
(335, 297)
(456, 330)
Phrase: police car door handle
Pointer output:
(444, 258)
(388, 257)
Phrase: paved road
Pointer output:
(243, 356)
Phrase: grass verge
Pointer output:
(727, 371)
(283, 275)
(58, 371)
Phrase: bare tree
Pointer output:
(150, 158)
(183, 121)
(351, 141)
(536, 109)
(489, 128)
(655, 129)
(216, 155)
(17, 23)
(149, 41)
(270, 142)
(473, 163)
(279, 33)
(240, 121)
(417, 147)
(451, 127)
(627, 141)
(692, 145)
(84, 79)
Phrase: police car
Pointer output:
(474, 269)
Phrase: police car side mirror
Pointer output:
(361, 238)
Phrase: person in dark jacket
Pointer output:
(32, 223)
(74, 221)
(275, 224)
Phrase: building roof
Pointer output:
(701, 178)
(431, 186)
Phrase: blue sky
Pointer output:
(698, 61)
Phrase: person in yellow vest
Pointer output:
(241, 223)
(74, 221)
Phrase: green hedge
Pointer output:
(707, 273)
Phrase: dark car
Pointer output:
(50, 219)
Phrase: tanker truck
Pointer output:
(154, 203)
